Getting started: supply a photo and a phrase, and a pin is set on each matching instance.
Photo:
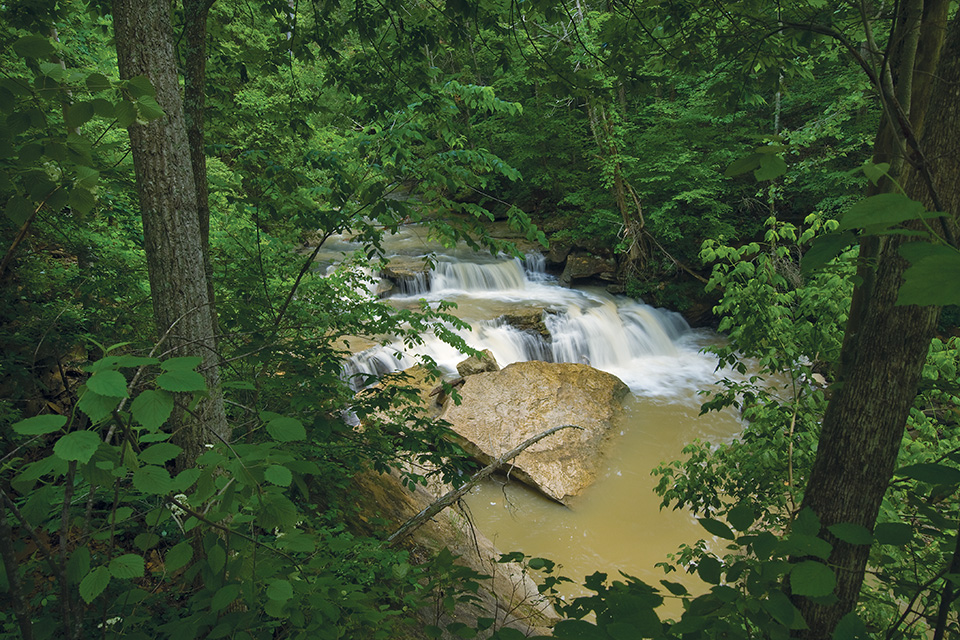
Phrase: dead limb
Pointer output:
(451, 497)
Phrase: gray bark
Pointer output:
(173, 240)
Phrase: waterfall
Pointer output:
(648, 348)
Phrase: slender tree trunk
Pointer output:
(885, 347)
(173, 240)
(194, 104)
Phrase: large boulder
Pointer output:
(499, 410)
(582, 267)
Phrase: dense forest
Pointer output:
(176, 461)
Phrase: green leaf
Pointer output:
(97, 82)
(129, 565)
(897, 534)
(108, 383)
(812, 578)
(771, 167)
(181, 380)
(717, 528)
(146, 540)
(96, 406)
(742, 516)
(19, 210)
(79, 446)
(278, 475)
(33, 47)
(78, 566)
(82, 199)
(160, 453)
(743, 165)
(153, 480)
(224, 596)
(875, 171)
(851, 627)
(181, 363)
(824, 249)
(140, 86)
(708, 569)
(881, 211)
(152, 408)
(780, 608)
(798, 544)
(675, 588)
(284, 429)
(933, 277)
(94, 583)
(276, 511)
(280, 590)
(87, 177)
(39, 425)
(216, 558)
(807, 523)
(78, 114)
(126, 113)
(851, 533)
(178, 556)
(148, 108)
(931, 473)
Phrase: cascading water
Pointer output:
(617, 523)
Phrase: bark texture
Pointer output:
(886, 345)
(173, 240)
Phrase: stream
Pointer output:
(617, 523)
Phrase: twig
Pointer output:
(451, 497)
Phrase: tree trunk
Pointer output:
(168, 208)
(194, 104)
(885, 347)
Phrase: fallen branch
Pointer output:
(451, 497)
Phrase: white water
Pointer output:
(616, 524)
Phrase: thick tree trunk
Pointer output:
(884, 351)
(168, 204)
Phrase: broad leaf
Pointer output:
(160, 453)
(108, 383)
(181, 363)
(717, 528)
(94, 583)
(33, 47)
(280, 590)
(153, 480)
(278, 475)
(178, 556)
(152, 408)
(79, 446)
(931, 473)
(897, 534)
(224, 596)
(39, 425)
(882, 211)
(181, 380)
(933, 277)
(811, 578)
(286, 429)
(851, 533)
(129, 565)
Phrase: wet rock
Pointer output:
(530, 319)
(499, 410)
(558, 252)
(473, 365)
(409, 274)
(581, 267)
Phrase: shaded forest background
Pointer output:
(175, 458)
